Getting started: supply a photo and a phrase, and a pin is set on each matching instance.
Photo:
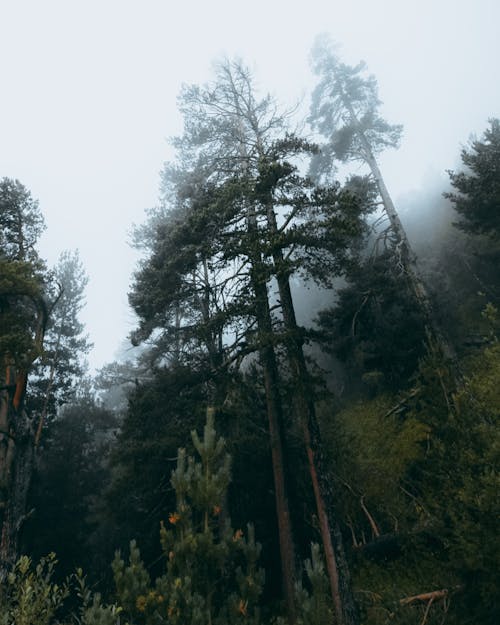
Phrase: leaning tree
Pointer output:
(345, 110)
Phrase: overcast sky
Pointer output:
(88, 101)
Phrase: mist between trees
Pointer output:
(339, 355)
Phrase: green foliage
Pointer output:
(98, 614)
(382, 585)
(92, 611)
(477, 196)
(421, 481)
(211, 576)
(131, 580)
(56, 375)
(344, 109)
(211, 572)
(22, 283)
(161, 412)
(314, 604)
(218, 238)
(68, 482)
(469, 474)
(21, 290)
(240, 215)
(29, 596)
(471, 282)
(21, 222)
(415, 459)
(375, 327)
(373, 449)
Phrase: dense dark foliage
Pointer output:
(477, 189)
(375, 327)
(72, 471)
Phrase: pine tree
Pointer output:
(23, 320)
(344, 109)
(212, 576)
(477, 195)
(57, 373)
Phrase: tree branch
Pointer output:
(425, 596)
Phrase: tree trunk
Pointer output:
(276, 434)
(408, 258)
(16, 465)
(322, 483)
(271, 383)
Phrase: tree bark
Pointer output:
(276, 434)
(322, 483)
(16, 465)
(17, 445)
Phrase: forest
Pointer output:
(307, 433)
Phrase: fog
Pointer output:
(89, 100)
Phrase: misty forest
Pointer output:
(306, 429)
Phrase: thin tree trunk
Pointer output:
(45, 407)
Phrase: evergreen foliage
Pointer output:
(58, 371)
(22, 281)
(161, 413)
(315, 604)
(211, 574)
(23, 320)
(66, 495)
(344, 109)
(21, 293)
(21, 222)
(477, 189)
(374, 327)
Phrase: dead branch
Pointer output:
(425, 596)
(400, 404)
(371, 520)
(24, 518)
(426, 613)
(429, 597)
(354, 319)
(355, 543)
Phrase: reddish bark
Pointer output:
(16, 465)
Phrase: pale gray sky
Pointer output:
(88, 100)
